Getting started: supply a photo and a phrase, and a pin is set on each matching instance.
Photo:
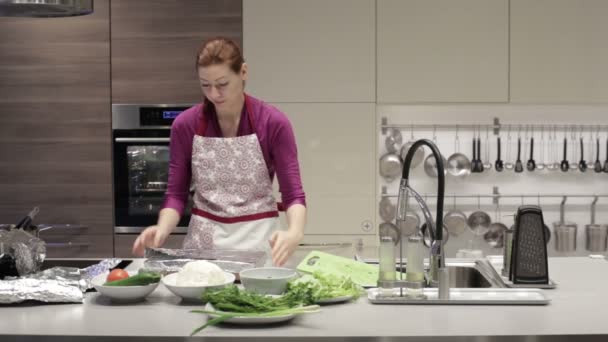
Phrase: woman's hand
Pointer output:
(283, 244)
(153, 236)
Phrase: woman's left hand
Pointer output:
(283, 244)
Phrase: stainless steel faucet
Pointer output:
(438, 272)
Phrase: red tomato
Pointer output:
(117, 274)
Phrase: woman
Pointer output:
(230, 147)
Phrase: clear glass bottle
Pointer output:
(415, 267)
(388, 272)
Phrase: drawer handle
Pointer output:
(68, 244)
(42, 227)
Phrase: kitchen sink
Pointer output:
(467, 277)
(78, 263)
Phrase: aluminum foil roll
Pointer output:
(174, 265)
(254, 257)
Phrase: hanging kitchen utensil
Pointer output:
(519, 166)
(387, 209)
(498, 165)
(475, 165)
(455, 221)
(553, 164)
(596, 233)
(479, 221)
(410, 223)
(430, 166)
(458, 164)
(508, 162)
(531, 164)
(389, 229)
(487, 165)
(418, 155)
(582, 164)
(565, 166)
(541, 165)
(390, 166)
(565, 232)
(597, 167)
(574, 162)
(495, 234)
(480, 164)
(393, 140)
(606, 161)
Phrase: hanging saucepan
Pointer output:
(458, 164)
(455, 220)
(390, 166)
(410, 223)
(496, 231)
(393, 140)
(389, 229)
(479, 221)
(387, 209)
(418, 155)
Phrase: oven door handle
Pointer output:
(141, 139)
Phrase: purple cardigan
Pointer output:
(276, 138)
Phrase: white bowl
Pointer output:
(193, 293)
(267, 280)
(122, 293)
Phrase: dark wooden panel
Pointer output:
(154, 45)
(82, 246)
(124, 243)
(55, 129)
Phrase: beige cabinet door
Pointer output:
(310, 51)
(337, 163)
(559, 51)
(442, 51)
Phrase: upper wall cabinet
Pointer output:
(559, 51)
(154, 46)
(442, 51)
(310, 51)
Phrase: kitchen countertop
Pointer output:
(579, 306)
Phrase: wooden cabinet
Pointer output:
(559, 51)
(55, 126)
(310, 51)
(442, 51)
(336, 151)
(155, 42)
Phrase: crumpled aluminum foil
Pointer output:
(165, 260)
(27, 250)
(55, 285)
(44, 290)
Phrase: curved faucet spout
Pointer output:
(440, 179)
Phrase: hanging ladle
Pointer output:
(519, 167)
(597, 167)
(499, 165)
(564, 166)
(531, 165)
(582, 164)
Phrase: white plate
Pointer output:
(122, 293)
(334, 300)
(192, 293)
(250, 320)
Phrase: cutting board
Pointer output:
(361, 273)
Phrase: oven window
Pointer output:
(148, 172)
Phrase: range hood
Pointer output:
(45, 8)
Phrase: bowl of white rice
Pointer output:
(195, 278)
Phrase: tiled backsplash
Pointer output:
(508, 182)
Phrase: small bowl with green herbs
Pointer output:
(132, 288)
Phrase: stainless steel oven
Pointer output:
(141, 164)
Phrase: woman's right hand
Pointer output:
(153, 236)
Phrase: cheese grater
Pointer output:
(529, 251)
